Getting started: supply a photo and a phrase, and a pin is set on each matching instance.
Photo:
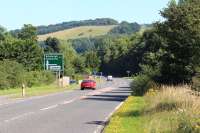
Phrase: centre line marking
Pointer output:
(50, 107)
(18, 117)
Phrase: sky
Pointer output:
(15, 13)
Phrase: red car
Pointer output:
(88, 84)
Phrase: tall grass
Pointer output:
(172, 109)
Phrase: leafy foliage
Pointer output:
(11, 74)
(79, 64)
(25, 52)
(172, 46)
(52, 45)
(144, 80)
(83, 45)
(36, 78)
(182, 46)
(92, 61)
(126, 28)
(69, 56)
(28, 32)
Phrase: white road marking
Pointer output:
(20, 100)
(62, 103)
(67, 102)
(18, 117)
(100, 128)
(50, 107)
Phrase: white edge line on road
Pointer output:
(100, 128)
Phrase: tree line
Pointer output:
(68, 25)
(121, 28)
(167, 53)
(172, 48)
(21, 58)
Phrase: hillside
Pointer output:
(42, 30)
(78, 32)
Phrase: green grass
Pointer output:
(131, 118)
(170, 110)
(78, 32)
(128, 118)
(39, 90)
(36, 91)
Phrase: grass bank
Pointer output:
(37, 91)
(78, 32)
(171, 109)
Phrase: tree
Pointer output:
(69, 56)
(79, 64)
(52, 45)
(181, 30)
(92, 61)
(28, 32)
(126, 28)
(2, 33)
(25, 52)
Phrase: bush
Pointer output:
(196, 82)
(78, 77)
(11, 74)
(35, 78)
(144, 80)
(141, 84)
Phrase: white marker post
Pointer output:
(23, 90)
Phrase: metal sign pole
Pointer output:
(59, 78)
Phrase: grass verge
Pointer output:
(171, 109)
(36, 91)
(128, 119)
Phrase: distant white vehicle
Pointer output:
(109, 78)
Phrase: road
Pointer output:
(68, 112)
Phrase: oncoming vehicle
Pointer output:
(109, 78)
(88, 84)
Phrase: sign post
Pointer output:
(128, 72)
(54, 62)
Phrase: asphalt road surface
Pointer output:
(68, 112)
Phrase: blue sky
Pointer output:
(15, 13)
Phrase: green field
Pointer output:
(78, 32)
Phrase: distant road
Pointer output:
(69, 112)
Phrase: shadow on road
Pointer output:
(125, 87)
(115, 95)
(117, 99)
(103, 123)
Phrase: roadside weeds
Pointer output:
(170, 109)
